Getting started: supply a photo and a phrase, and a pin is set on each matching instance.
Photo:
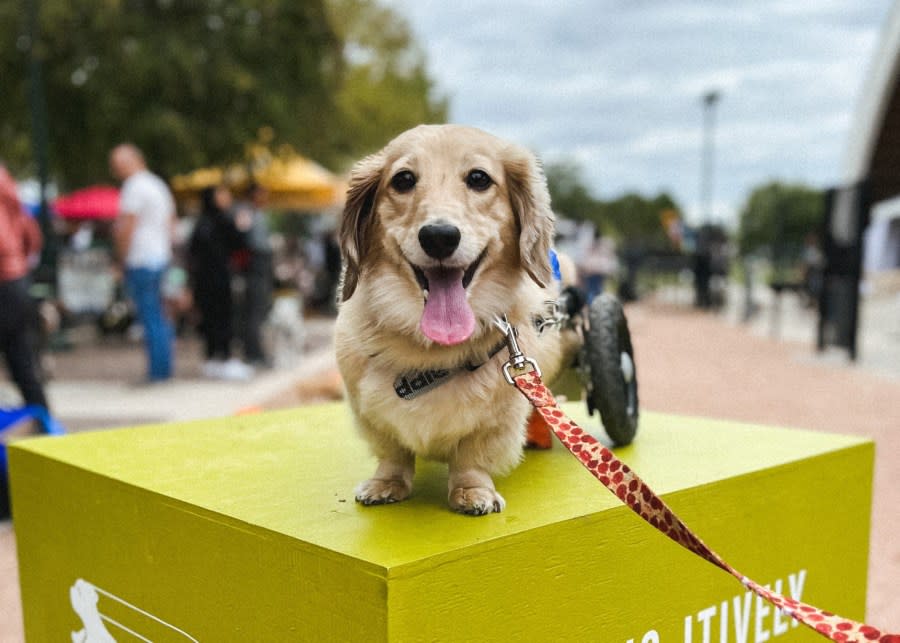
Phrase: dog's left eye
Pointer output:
(479, 180)
(403, 181)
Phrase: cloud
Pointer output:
(616, 85)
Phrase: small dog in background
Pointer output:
(444, 230)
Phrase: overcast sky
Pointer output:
(616, 85)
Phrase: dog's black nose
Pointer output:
(439, 240)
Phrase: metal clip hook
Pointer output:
(554, 316)
(517, 360)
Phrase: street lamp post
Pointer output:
(710, 99)
(702, 243)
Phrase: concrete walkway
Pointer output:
(688, 363)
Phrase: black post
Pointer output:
(846, 219)
(863, 215)
(38, 107)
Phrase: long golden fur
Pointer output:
(475, 422)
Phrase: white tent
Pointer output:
(882, 240)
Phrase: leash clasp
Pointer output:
(555, 317)
(517, 360)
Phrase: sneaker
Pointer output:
(235, 369)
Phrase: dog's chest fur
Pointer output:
(433, 423)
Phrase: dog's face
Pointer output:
(447, 219)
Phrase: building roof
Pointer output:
(874, 147)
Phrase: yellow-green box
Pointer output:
(245, 529)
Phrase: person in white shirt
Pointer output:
(143, 238)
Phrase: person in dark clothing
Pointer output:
(20, 239)
(702, 277)
(259, 274)
(703, 267)
(214, 238)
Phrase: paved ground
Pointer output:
(688, 363)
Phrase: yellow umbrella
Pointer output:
(187, 184)
(292, 181)
(297, 183)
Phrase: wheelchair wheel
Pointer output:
(610, 376)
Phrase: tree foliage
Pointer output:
(778, 216)
(385, 89)
(193, 82)
(638, 219)
(630, 218)
(569, 195)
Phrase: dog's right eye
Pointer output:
(403, 181)
(479, 180)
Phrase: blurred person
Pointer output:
(259, 274)
(177, 296)
(702, 279)
(214, 238)
(813, 266)
(323, 262)
(143, 238)
(20, 243)
(332, 272)
(632, 256)
(703, 270)
(597, 263)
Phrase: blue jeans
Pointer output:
(145, 288)
(593, 283)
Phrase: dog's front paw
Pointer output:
(381, 492)
(476, 501)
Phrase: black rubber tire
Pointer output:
(606, 338)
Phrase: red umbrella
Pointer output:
(95, 202)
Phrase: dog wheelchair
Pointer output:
(602, 366)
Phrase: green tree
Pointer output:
(569, 195)
(385, 89)
(189, 82)
(778, 216)
(637, 218)
(193, 82)
(631, 218)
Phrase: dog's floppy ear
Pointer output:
(356, 222)
(530, 201)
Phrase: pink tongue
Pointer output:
(447, 319)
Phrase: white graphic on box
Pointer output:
(85, 598)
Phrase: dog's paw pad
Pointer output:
(476, 501)
(382, 492)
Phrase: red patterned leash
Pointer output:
(630, 489)
(634, 492)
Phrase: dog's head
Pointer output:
(453, 216)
